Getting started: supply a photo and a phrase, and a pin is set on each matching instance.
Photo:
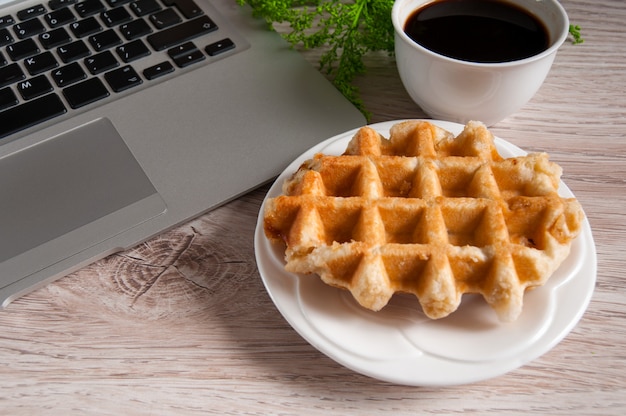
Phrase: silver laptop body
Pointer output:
(114, 172)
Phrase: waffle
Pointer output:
(427, 213)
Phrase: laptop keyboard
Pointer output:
(62, 56)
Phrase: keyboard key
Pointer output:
(189, 59)
(115, 17)
(165, 18)
(86, 92)
(59, 4)
(123, 78)
(181, 50)
(40, 63)
(7, 98)
(158, 70)
(6, 21)
(135, 29)
(219, 47)
(85, 27)
(89, 7)
(101, 62)
(29, 28)
(34, 87)
(116, 3)
(54, 38)
(10, 74)
(23, 49)
(132, 51)
(185, 54)
(59, 17)
(30, 113)
(104, 40)
(32, 11)
(5, 37)
(188, 8)
(144, 7)
(181, 33)
(3, 60)
(68, 74)
(73, 51)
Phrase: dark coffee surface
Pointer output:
(485, 31)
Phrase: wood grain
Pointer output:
(182, 325)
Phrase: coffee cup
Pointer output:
(461, 88)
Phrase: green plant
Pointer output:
(347, 30)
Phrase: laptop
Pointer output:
(120, 119)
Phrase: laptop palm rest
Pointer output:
(73, 191)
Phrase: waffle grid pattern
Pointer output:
(426, 213)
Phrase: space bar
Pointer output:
(30, 113)
(181, 33)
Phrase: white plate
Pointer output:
(399, 344)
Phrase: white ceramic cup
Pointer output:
(455, 90)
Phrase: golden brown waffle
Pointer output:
(427, 213)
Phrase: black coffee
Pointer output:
(485, 31)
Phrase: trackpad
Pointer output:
(76, 190)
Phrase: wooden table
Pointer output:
(182, 325)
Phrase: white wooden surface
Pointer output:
(183, 326)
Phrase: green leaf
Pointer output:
(574, 30)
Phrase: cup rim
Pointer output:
(399, 30)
